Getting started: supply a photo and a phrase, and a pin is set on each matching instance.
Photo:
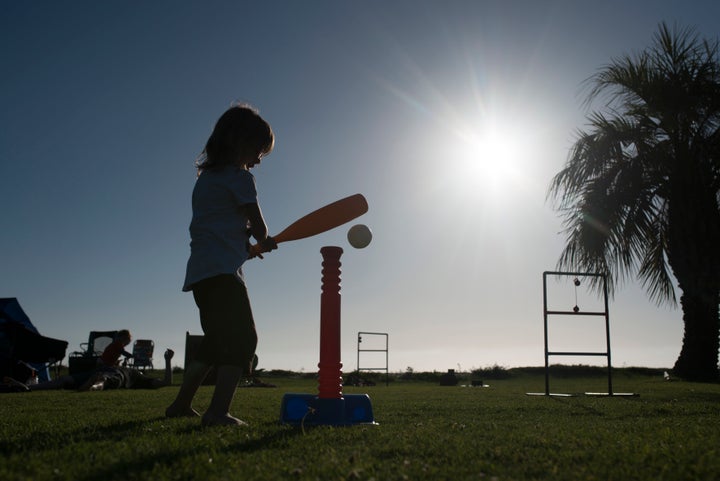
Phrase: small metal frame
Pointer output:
(576, 312)
(386, 350)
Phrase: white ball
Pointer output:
(359, 236)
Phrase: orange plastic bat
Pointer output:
(321, 220)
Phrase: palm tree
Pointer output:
(639, 194)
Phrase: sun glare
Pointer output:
(489, 163)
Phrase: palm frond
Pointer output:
(654, 273)
(661, 116)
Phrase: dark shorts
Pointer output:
(227, 322)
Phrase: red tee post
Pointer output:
(330, 367)
(330, 407)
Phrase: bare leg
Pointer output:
(217, 413)
(182, 406)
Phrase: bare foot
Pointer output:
(175, 412)
(224, 420)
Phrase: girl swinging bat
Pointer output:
(225, 213)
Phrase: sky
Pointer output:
(450, 117)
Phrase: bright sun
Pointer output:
(489, 164)
(492, 157)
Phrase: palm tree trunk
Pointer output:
(699, 354)
(693, 254)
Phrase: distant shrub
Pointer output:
(645, 371)
(433, 376)
(493, 372)
(281, 373)
(577, 370)
(365, 378)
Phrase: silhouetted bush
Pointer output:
(494, 372)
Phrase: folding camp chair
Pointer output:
(86, 360)
(98, 341)
(142, 354)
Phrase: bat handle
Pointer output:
(256, 250)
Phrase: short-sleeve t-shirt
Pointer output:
(219, 227)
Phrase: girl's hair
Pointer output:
(238, 130)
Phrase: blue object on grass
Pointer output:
(309, 409)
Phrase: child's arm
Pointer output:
(258, 228)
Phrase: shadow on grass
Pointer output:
(574, 408)
(39, 439)
(140, 464)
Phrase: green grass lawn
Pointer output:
(669, 432)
